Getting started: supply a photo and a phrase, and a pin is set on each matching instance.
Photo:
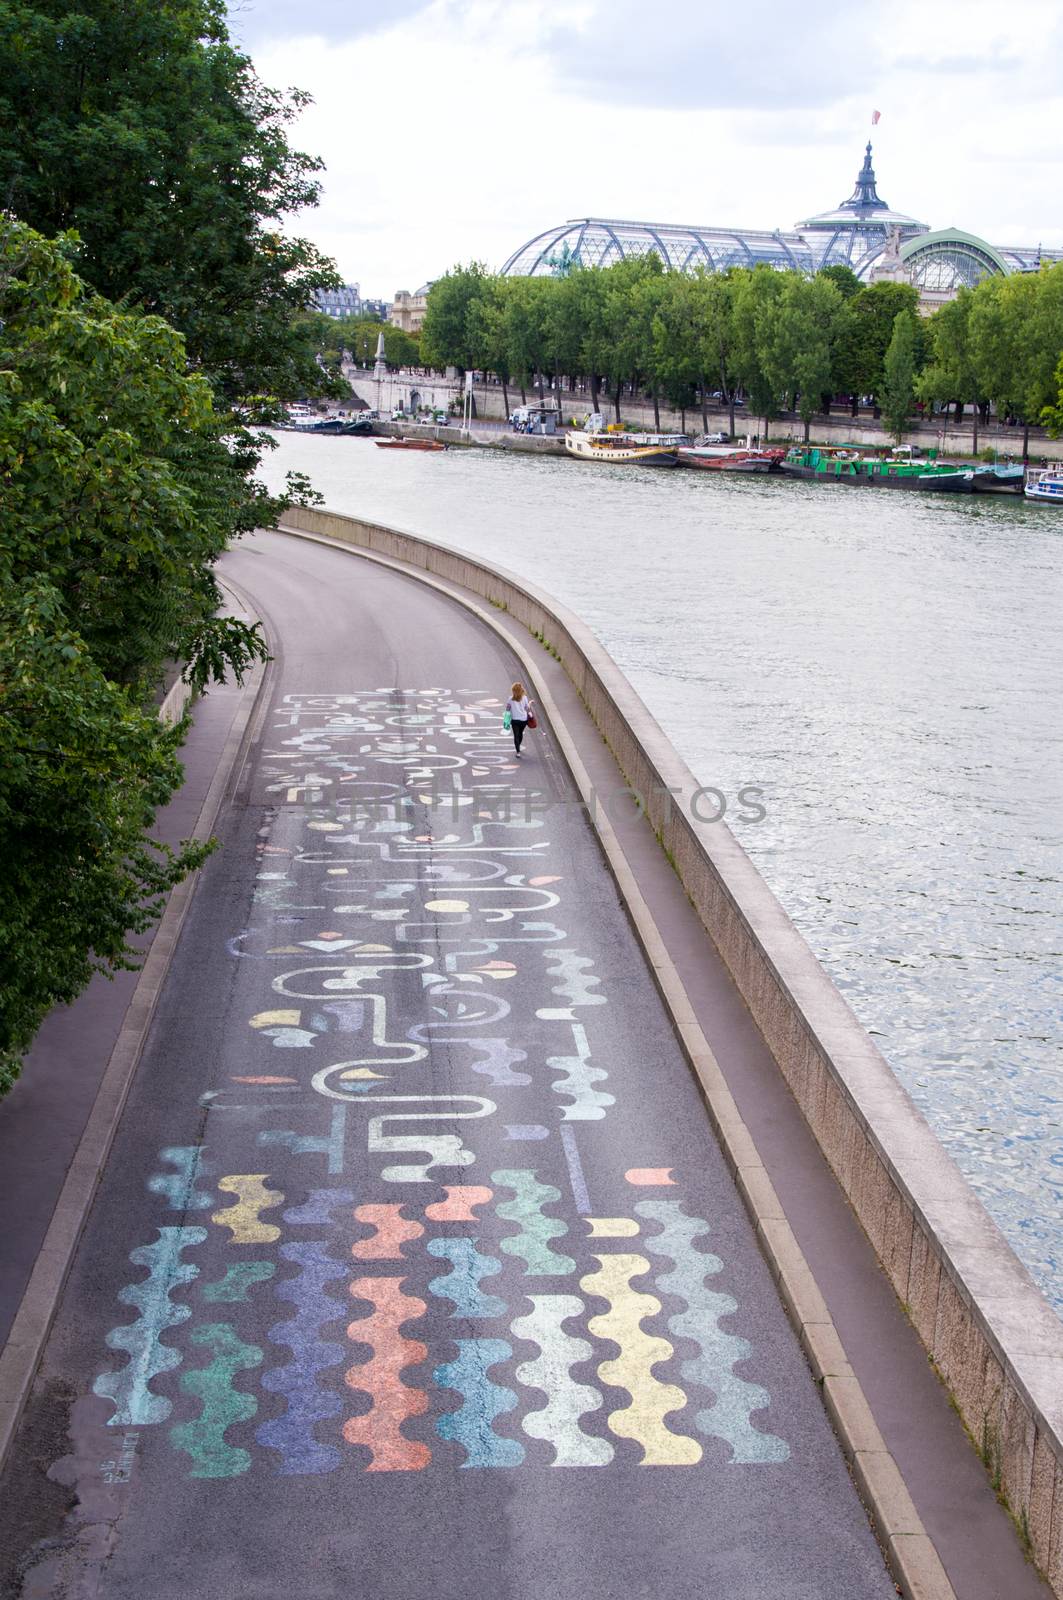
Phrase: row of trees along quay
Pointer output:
(778, 340)
(152, 320)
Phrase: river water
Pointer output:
(888, 670)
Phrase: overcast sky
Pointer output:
(454, 130)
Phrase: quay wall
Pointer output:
(535, 444)
(838, 428)
(992, 1336)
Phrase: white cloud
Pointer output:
(456, 129)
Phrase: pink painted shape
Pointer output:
(380, 1428)
(649, 1177)
(392, 1232)
(458, 1206)
(537, 882)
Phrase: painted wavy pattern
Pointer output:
(651, 1400)
(223, 1404)
(237, 1281)
(462, 1283)
(729, 1417)
(391, 1230)
(578, 984)
(292, 1434)
(536, 1229)
(558, 1421)
(178, 1188)
(244, 1217)
(460, 1203)
(318, 1209)
(587, 1104)
(483, 1401)
(135, 1405)
(393, 1402)
(497, 1058)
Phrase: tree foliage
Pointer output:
(121, 485)
(898, 389)
(448, 330)
(134, 131)
(780, 340)
(136, 124)
(357, 338)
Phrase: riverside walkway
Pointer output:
(415, 1251)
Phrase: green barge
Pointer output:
(839, 466)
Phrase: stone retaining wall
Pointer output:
(993, 1337)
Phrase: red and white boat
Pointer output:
(730, 457)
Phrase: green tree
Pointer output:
(797, 342)
(524, 331)
(898, 388)
(713, 296)
(1042, 343)
(756, 297)
(489, 343)
(950, 376)
(564, 322)
(864, 336)
(1052, 414)
(358, 336)
(675, 341)
(138, 125)
(448, 330)
(121, 484)
(843, 278)
(625, 330)
(1003, 311)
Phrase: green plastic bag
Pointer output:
(507, 721)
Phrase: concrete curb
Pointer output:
(33, 1321)
(911, 1554)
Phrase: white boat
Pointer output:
(300, 416)
(1045, 484)
(619, 449)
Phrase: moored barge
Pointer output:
(873, 472)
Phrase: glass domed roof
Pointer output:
(854, 234)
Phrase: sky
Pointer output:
(455, 130)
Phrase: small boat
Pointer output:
(302, 417)
(730, 458)
(876, 472)
(1045, 484)
(999, 478)
(409, 444)
(620, 449)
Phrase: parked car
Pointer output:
(717, 438)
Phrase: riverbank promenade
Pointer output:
(454, 1231)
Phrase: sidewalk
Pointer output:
(44, 1116)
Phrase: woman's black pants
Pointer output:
(518, 731)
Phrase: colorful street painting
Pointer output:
(385, 1254)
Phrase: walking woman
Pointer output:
(520, 712)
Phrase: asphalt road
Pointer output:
(415, 1252)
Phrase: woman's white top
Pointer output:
(518, 709)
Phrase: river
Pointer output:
(888, 669)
